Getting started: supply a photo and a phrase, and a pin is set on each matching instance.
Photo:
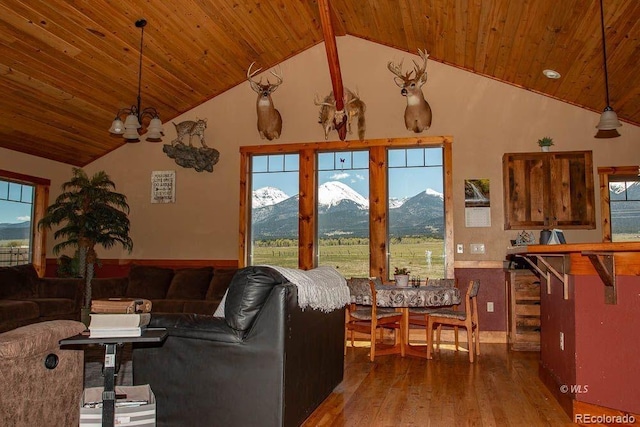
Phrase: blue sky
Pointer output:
(14, 212)
(408, 175)
(15, 202)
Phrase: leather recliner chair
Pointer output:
(266, 363)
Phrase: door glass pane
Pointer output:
(16, 226)
(416, 212)
(274, 210)
(624, 200)
(343, 212)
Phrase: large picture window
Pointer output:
(23, 200)
(364, 231)
(416, 211)
(274, 210)
(343, 211)
(620, 203)
(16, 212)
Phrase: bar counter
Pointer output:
(590, 324)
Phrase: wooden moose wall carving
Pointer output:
(269, 119)
(417, 114)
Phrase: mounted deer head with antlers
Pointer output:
(269, 119)
(330, 118)
(417, 115)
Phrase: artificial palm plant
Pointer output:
(91, 213)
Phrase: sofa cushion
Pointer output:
(51, 307)
(111, 287)
(220, 283)
(190, 283)
(148, 282)
(11, 311)
(247, 294)
(167, 306)
(19, 281)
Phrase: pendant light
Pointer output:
(131, 128)
(608, 119)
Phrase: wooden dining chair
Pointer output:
(363, 315)
(467, 318)
(419, 316)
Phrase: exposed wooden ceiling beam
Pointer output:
(334, 64)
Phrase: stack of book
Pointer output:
(108, 325)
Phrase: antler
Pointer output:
(278, 76)
(254, 84)
(421, 70)
(396, 69)
(319, 103)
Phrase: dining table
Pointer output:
(403, 298)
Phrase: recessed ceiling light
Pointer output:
(551, 74)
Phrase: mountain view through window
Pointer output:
(415, 202)
(16, 206)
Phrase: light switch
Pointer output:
(476, 248)
(460, 248)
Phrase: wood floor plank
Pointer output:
(501, 388)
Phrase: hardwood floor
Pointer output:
(500, 389)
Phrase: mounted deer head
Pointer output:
(269, 119)
(331, 119)
(417, 115)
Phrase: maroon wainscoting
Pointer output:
(492, 288)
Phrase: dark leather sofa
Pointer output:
(266, 363)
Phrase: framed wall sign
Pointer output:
(163, 187)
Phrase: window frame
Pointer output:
(605, 173)
(40, 202)
(378, 206)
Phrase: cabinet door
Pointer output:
(546, 190)
(526, 185)
(572, 197)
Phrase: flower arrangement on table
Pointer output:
(401, 275)
(401, 271)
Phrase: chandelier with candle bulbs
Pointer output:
(132, 127)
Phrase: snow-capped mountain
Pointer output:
(267, 196)
(431, 192)
(333, 192)
(344, 212)
(396, 203)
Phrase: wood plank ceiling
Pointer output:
(68, 65)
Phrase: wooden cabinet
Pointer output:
(523, 293)
(548, 190)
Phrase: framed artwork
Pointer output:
(477, 203)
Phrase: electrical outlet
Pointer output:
(476, 248)
(490, 307)
(561, 340)
(460, 248)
